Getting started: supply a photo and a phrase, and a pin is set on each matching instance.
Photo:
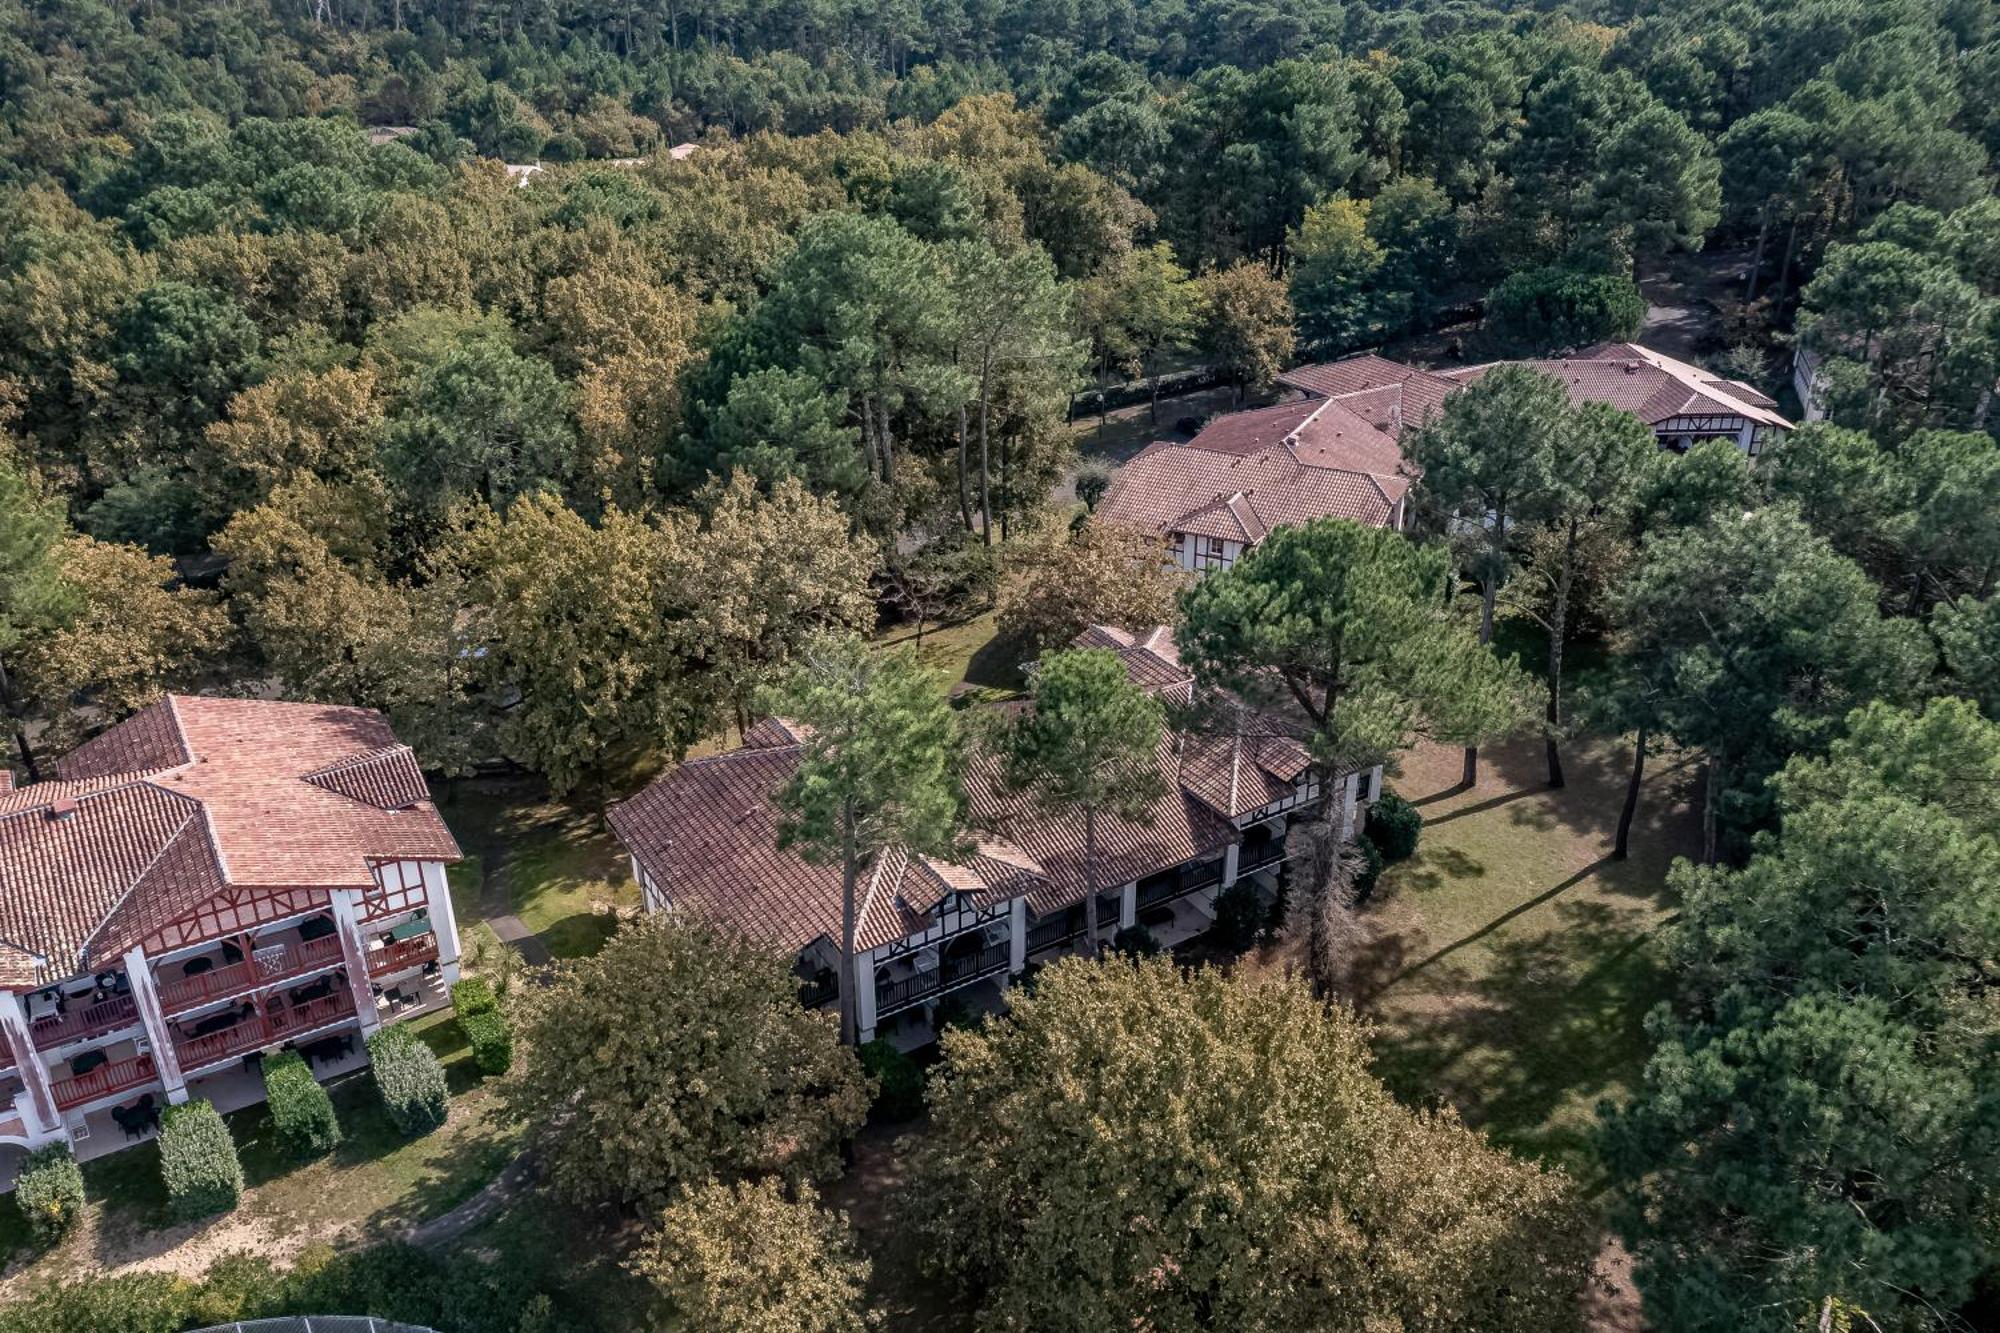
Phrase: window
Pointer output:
(1211, 553)
(1177, 547)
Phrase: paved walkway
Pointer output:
(496, 902)
(503, 1190)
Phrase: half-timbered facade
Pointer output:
(207, 881)
(703, 839)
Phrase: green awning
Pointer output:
(409, 930)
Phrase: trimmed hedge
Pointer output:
(1394, 826)
(49, 1192)
(1239, 917)
(300, 1109)
(473, 996)
(410, 1079)
(899, 1083)
(492, 1041)
(198, 1162)
(486, 1029)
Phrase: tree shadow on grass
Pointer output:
(1431, 868)
(1556, 1022)
(996, 664)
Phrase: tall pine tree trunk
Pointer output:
(985, 494)
(1489, 595)
(1623, 845)
(964, 494)
(1558, 634)
(1757, 260)
(850, 875)
(1090, 879)
(1785, 267)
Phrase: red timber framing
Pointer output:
(399, 889)
(232, 912)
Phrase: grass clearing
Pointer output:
(1511, 962)
(562, 871)
(965, 652)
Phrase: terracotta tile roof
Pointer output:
(1248, 472)
(1254, 430)
(147, 741)
(707, 833)
(190, 798)
(1252, 766)
(1413, 392)
(1180, 829)
(1180, 488)
(1651, 385)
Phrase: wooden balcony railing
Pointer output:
(903, 993)
(264, 966)
(819, 990)
(258, 1031)
(104, 1081)
(1267, 855)
(1180, 883)
(83, 1022)
(403, 953)
(1054, 931)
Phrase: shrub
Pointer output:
(1093, 479)
(1238, 915)
(899, 1083)
(1136, 941)
(473, 996)
(1370, 869)
(49, 1192)
(1545, 309)
(1393, 826)
(300, 1109)
(745, 1256)
(492, 1041)
(410, 1079)
(198, 1161)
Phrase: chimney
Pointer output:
(63, 809)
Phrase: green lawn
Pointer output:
(1512, 963)
(965, 652)
(562, 871)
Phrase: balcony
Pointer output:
(1172, 884)
(255, 1032)
(107, 1080)
(84, 1022)
(401, 955)
(1056, 930)
(265, 966)
(1262, 857)
(952, 972)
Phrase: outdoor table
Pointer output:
(409, 930)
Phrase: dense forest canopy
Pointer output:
(272, 307)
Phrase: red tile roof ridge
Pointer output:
(160, 854)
